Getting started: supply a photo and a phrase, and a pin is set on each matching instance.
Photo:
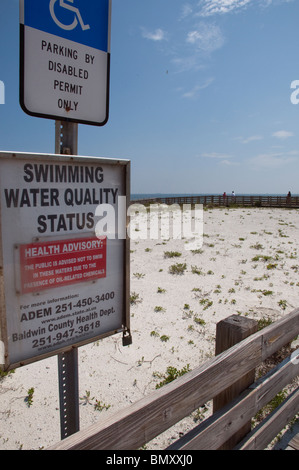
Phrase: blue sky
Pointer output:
(200, 97)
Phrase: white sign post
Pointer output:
(65, 59)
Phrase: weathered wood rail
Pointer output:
(217, 200)
(138, 424)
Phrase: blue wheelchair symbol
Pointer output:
(77, 15)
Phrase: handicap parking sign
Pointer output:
(65, 59)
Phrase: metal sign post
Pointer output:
(66, 142)
(68, 392)
(66, 138)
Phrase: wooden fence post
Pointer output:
(229, 332)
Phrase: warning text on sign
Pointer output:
(59, 263)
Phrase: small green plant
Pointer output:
(154, 333)
(86, 398)
(139, 275)
(196, 270)
(271, 406)
(261, 278)
(158, 308)
(281, 234)
(282, 304)
(199, 414)
(198, 251)
(140, 361)
(29, 398)
(134, 298)
(99, 406)
(5, 374)
(257, 246)
(172, 373)
(206, 302)
(178, 268)
(164, 338)
(160, 290)
(172, 254)
(263, 322)
(267, 292)
(271, 265)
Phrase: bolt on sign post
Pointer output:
(65, 59)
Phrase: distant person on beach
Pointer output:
(289, 197)
(224, 198)
(233, 194)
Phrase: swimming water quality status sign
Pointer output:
(64, 279)
(65, 59)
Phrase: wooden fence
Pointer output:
(244, 201)
(138, 424)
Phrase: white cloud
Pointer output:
(206, 37)
(252, 138)
(216, 155)
(202, 40)
(274, 160)
(212, 7)
(193, 93)
(187, 10)
(229, 163)
(224, 159)
(282, 134)
(157, 35)
(221, 7)
(184, 64)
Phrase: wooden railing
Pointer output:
(136, 425)
(216, 200)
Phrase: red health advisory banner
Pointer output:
(60, 263)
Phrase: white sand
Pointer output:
(119, 376)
